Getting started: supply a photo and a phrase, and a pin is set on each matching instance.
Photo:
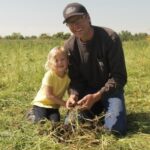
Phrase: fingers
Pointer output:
(83, 104)
(70, 104)
(81, 108)
(82, 101)
(110, 84)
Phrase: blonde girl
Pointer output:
(54, 84)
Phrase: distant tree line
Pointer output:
(19, 36)
(127, 36)
(124, 35)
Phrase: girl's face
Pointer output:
(60, 64)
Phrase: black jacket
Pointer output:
(94, 62)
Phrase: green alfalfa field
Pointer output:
(21, 71)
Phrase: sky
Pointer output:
(34, 17)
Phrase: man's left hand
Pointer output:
(86, 102)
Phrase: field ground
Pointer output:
(21, 71)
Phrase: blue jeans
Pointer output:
(115, 118)
(115, 112)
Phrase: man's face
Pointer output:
(79, 25)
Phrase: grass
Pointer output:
(21, 71)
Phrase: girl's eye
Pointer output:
(56, 60)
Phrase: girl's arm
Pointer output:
(49, 94)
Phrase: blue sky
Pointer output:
(33, 17)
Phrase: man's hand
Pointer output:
(86, 102)
(109, 84)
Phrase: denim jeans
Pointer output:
(115, 118)
(115, 112)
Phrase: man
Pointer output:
(97, 69)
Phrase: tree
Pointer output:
(16, 36)
(44, 36)
(61, 35)
(125, 35)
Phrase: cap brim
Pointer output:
(71, 15)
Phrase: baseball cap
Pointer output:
(73, 9)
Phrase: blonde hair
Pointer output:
(52, 54)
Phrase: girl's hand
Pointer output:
(71, 102)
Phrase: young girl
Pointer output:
(54, 84)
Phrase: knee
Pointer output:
(115, 119)
(117, 125)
